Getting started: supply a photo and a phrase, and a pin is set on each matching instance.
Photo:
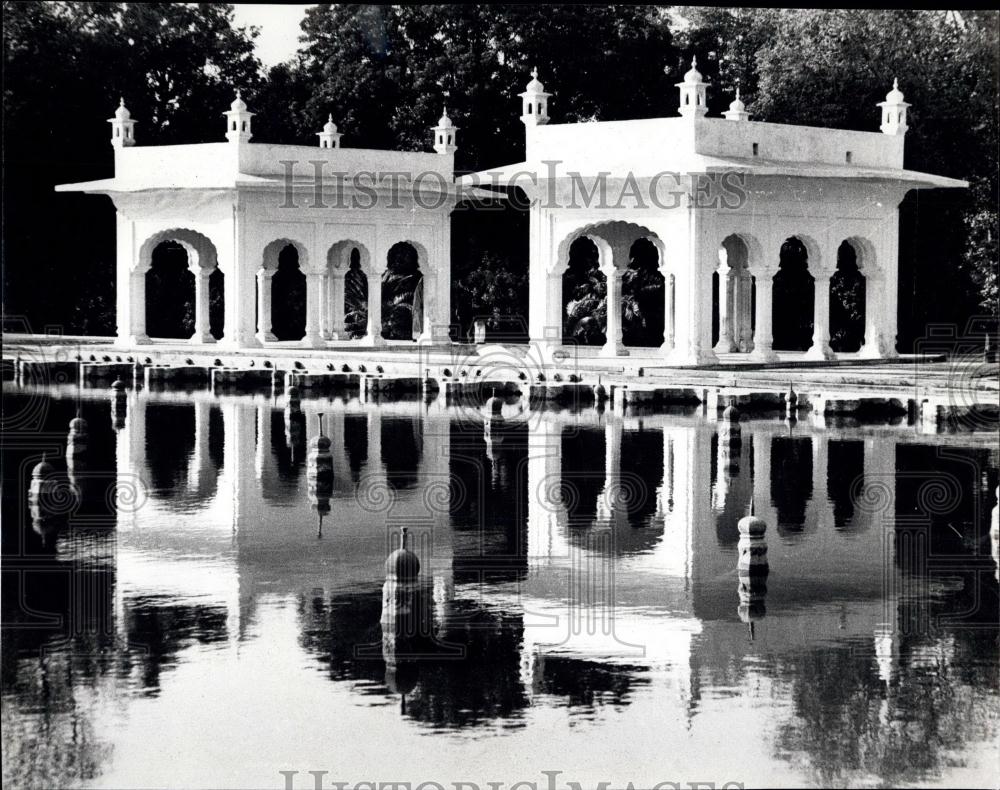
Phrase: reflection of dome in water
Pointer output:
(493, 405)
(402, 564)
(78, 425)
(752, 525)
(43, 469)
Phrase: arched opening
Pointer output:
(217, 303)
(402, 293)
(355, 297)
(642, 296)
(288, 296)
(734, 299)
(847, 301)
(792, 310)
(584, 291)
(170, 292)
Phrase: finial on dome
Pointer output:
(895, 83)
(534, 72)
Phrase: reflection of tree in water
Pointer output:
(402, 450)
(488, 503)
(582, 473)
(845, 463)
(345, 633)
(157, 632)
(589, 683)
(850, 726)
(441, 689)
(169, 444)
(49, 734)
(791, 481)
(356, 442)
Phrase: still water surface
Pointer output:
(192, 609)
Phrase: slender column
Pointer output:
(262, 451)
(374, 334)
(613, 347)
(874, 345)
(554, 318)
(820, 348)
(336, 295)
(700, 331)
(137, 302)
(324, 307)
(727, 284)
(314, 294)
(763, 339)
(202, 334)
(426, 333)
(669, 313)
(546, 504)
(264, 333)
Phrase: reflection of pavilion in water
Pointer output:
(619, 564)
(584, 559)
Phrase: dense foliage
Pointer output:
(384, 72)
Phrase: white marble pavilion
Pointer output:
(715, 196)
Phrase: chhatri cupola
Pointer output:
(238, 121)
(693, 92)
(534, 102)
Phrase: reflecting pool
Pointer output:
(189, 600)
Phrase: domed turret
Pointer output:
(238, 121)
(122, 127)
(329, 137)
(737, 109)
(693, 93)
(534, 102)
(445, 135)
(731, 413)
(894, 111)
(402, 565)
